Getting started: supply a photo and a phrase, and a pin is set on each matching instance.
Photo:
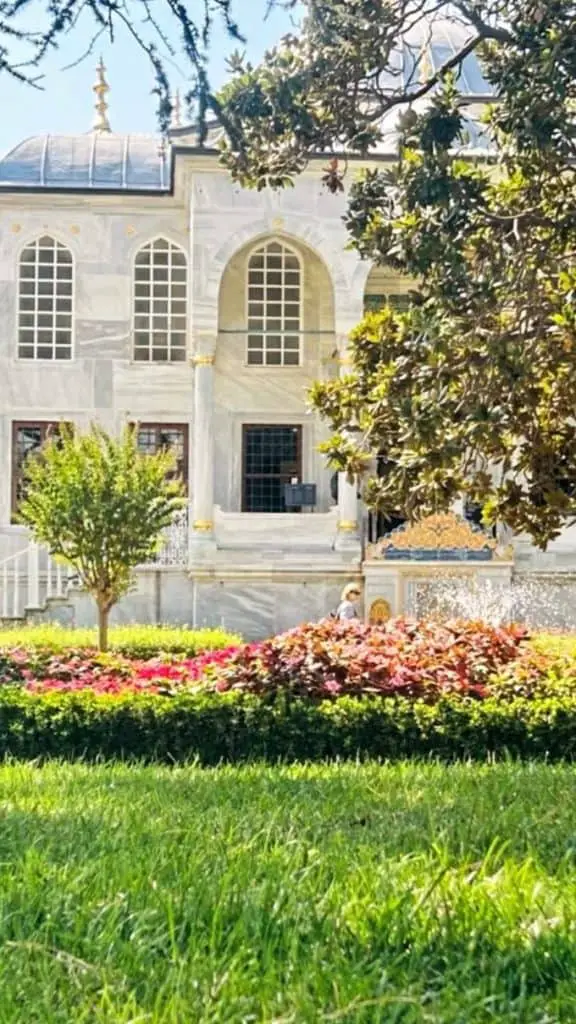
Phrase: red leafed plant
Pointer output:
(319, 661)
(103, 673)
(401, 658)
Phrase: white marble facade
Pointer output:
(242, 569)
(254, 572)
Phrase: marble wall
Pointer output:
(215, 222)
(255, 609)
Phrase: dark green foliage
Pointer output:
(471, 391)
(232, 728)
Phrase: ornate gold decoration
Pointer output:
(426, 69)
(380, 612)
(442, 531)
(130, 230)
(74, 229)
(101, 90)
(203, 525)
(16, 228)
(504, 554)
(348, 526)
(278, 223)
(203, 360)
(346, 359)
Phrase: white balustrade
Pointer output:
(28, 580)
(276, 529)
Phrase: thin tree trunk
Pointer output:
(103, 614)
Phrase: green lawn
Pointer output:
(307, 894)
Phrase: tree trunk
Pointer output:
(103, 614)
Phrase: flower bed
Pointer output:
(320, 691)
(105, 674)
(315, 662)
(415, 660)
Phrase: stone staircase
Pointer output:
(35, 588)
(30, 583)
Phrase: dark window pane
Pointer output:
(27, 440)
(272, 457)
(155, 437)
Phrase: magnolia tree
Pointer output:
(472, 390)
(100, 506)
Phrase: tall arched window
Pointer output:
(274, 306)
(45, 287)
(160, 303)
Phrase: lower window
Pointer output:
(271, 458)
(156, 437)
(27, 440)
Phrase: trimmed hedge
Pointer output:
(131, 641)
(232, 727)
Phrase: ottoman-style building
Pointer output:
(139, 284)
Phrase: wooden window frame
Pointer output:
(246, 427)
(185, 428)
(45, 426)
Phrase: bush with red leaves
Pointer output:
(417, 660)
(42, 671)
(319, 661)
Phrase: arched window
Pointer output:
(160, 303)
(274, 306)
(45, 287)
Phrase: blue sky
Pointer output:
(65, 105)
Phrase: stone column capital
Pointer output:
(202, 359)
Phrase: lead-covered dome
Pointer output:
(96, 161)
(425, 49)
(429, 45)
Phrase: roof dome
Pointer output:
(424, 50)
(98, 160)
(430, 44)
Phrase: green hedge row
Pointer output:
(231, 728)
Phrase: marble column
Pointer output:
(202, 531)
(348, 538)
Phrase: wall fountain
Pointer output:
(438, 566)
(443, 567)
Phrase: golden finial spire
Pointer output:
(426, 69)
(101, 89)
(176, 121)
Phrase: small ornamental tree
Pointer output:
(100, 505)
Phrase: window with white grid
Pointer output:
(45, 287)
(274, 306)
(160, 303)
